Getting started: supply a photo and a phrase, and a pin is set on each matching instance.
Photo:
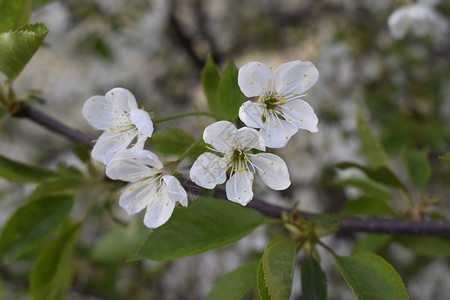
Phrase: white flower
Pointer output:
(234, 151)
(149, 188)
(118, 115)
(420, 18)
(277, 108)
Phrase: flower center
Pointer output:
(272, 99)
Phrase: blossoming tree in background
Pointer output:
(254, 111)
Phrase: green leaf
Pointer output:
(50, 275)
(38, 3)
(210, 83)
(14, 14)
(17, 47)
(174, 141)
(418, 167)
(371, 242)
(31, 224)
(366, 205)
(314, 281)
(23, 173)
(229, 94)
(208, 224)
(278, 264)
(2, 297)
(120, 243)
(82, 151)
(430, 246)
(368, 186)
(446, 158)
(371, 145)
(371, 277)
(324, 224)
(382, 174)
(235, 284)
(261, 282)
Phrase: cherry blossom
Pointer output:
(276, 107)
(233, 151)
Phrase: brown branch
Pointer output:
(347, 224)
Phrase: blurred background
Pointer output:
(157, 48)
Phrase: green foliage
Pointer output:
(324, 224)
(261, 283)
(23, 173)
(371, 242)
(208, 224)
(119, 243)
(446, 158)
(381, 174)
(210, 83)
(174, 141)
(365, 206)
(229, 94)
(18, 46)
(278, 264)
(371, 146)
(371, 277)
(31, 224)
(314, 280)
(368, 186)
(235, 284)
(418, 167)
(38, 3)
(430, 246)
(50, 275)
(14, 14)
(2, 297)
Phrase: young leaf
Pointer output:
(31, 224)
(261, 282)
(50, 275)
(371, 242)
(229, 94)
(23, 173)
(278, 264)
(370, 144)
(366, 205)
(235, 284)
(418, 167)
(314, 281)
(17, 47)
(446, 158)
(324, 224)
(382, 174)
(14, 14)
(210, 83)
(368, 186)
(174, 141)
(208, 224)
(371, 277)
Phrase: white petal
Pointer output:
(135, 197)
(142, 120)
(220, 135)
(398, 23)
(110, 143)
(301, 115)
(250, 138)
(123, 99)
(253, 78)
(277, 132)
(159, 209)
(239, 187)
(209, 170)
(175, 191)
(99, 112)
(296, 77)
(251, 114)
(130, 165)
(272, 170)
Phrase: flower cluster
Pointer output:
(276, 109)
(274, 114)
(150, 188)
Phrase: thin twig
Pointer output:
(347, 224)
